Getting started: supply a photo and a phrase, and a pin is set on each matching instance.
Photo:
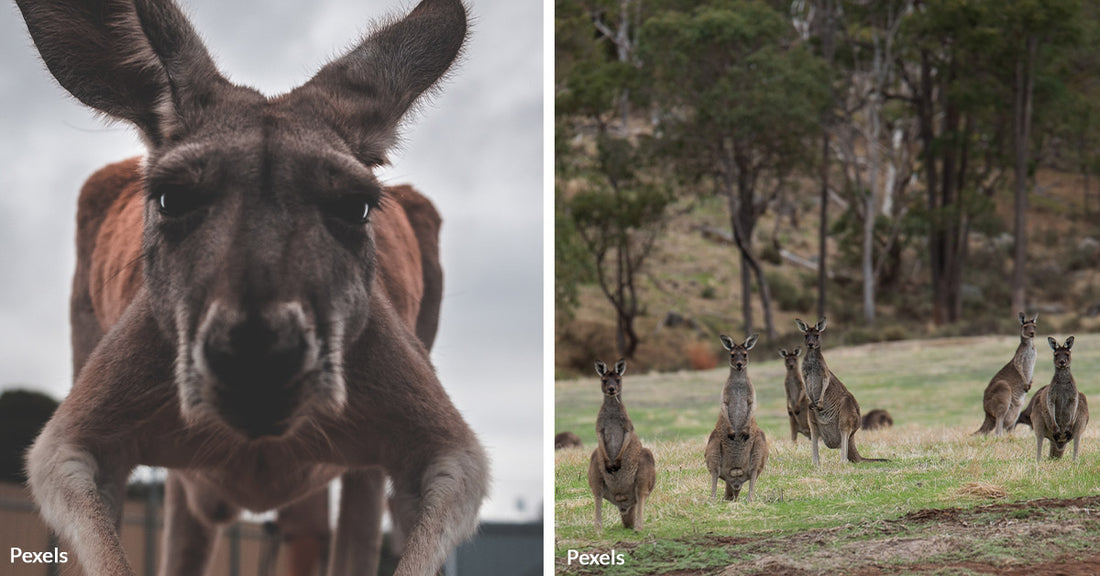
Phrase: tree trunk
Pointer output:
(872, 185)
(926, 113)
(828, 49)
(1021, 118)
(740, 195)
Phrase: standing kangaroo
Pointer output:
(268, 341)
(834, 413)
(737, 449)
(1005, 393)
(797, 402)
(621, 470)
(1059, 412)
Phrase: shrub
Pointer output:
(700, 355)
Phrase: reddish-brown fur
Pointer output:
(110, 222)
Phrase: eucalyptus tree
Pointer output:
(738, 96)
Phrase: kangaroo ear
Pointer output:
(1053, 343)
(727, 342)
(365, 93)
(620, 367)
(797, 351)
(601, 368)
(138, 61)
(1022, 318)
(751, 341)
(1035, 318)
(821, 324)
(1069, 343)
(801, 325)
(783, 352)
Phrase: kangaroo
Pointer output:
(1005, 393)
(877, 418)
(254, 338)
(737, 449)
(567, 440)
(798, 406)
(834, 412)
(1059, 412)
(627, 478)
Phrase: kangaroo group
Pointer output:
(820, 407)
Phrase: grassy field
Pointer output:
(933, 390)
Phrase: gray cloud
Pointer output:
(475, 149)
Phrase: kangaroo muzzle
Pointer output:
(254, 365)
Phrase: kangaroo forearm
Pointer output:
(77, 496)
(628, 439)
(451, 489)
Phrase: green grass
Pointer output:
(933, 390)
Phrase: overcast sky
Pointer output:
(476, 150)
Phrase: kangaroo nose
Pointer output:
(254, 350)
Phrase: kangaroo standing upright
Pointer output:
(737, 449)
(621, 470)
(798, 405)
(1005, 393)
(834, 413)
(1059, 412)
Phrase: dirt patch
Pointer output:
(1048, 537)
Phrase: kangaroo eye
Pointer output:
(174, 203)
(350, 209)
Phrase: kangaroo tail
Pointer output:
(988, 425)
(853, 454)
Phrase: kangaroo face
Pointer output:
(739, 353)
(260, 259)
(790, 359)
(1061, 353)
(611, 381)
(812, 335)
(1028, 327)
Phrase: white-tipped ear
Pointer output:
(783, 352)
(620, 367)
(751, 341)
(1069, 343)
(821, 324)
(601, 368)
(801, 325)
(797, 351)
(727, 342)
(1053, 343)
(1035, 318)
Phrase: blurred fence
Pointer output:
(247, 548)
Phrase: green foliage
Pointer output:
(572, 265)
(789, 295)
(726, 71)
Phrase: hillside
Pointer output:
(691, 290)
